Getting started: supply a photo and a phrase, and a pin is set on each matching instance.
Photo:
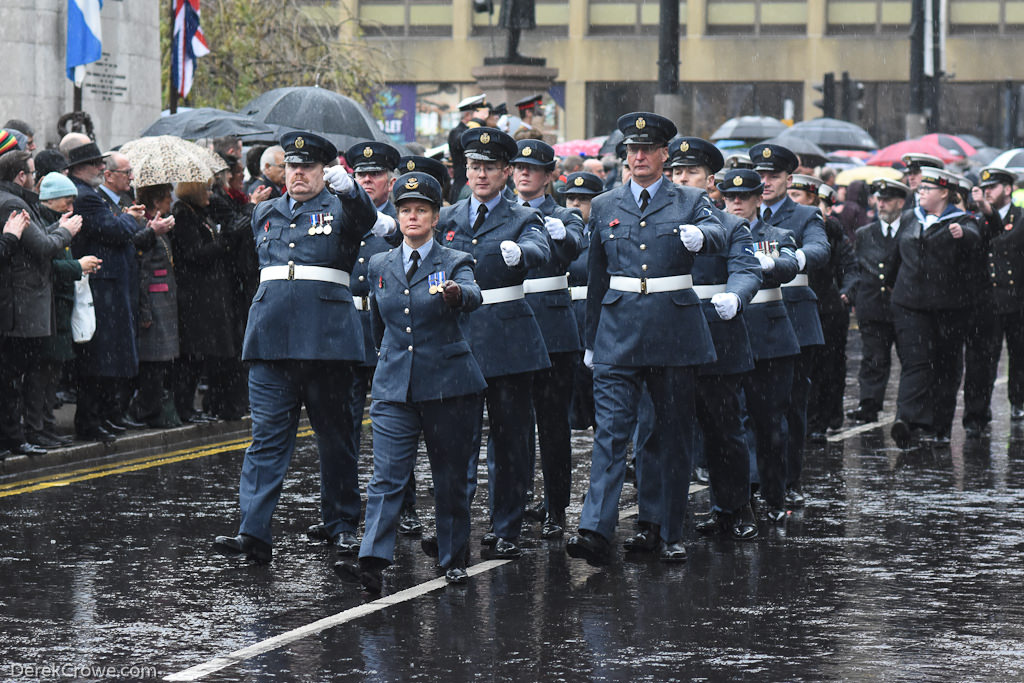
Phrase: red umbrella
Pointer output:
(953, 143)
(583, 148)
(888, 155)
(853, 153)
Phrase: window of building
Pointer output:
(986, 16)
(757, 17)
(868, 17)
(636, 17)
(552, 18)
(412, 18)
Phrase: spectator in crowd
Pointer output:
(229, 145)
(271, 171)
(26, 130)
(49, 161)
(252, 166)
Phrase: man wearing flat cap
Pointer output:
(645, 328)
(302, 341)
(776, 164)
(506, 240)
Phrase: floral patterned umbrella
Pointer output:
(167, 159)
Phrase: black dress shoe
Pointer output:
(502, 550)
(647, 539)
(113, 428)
(43, 441)
(26, 449)
(794, 498)
(429, 545)
(776, 515)
(347, 543)
(554, 525)
(96, 434)
(318, 533)
(590, 546)
(863, 415)
(817, 437)
(127, 423)
(738, 526)
(368, 572)
(535, 512)
(409, 524)
(937, 438)
(631, 472)
(1017, 412)
(673, 552)
(256, 550)
(489, 538)
(59, 438)
(457, 576)
(701, 475)
(901, 434)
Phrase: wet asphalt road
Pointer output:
(904, 566)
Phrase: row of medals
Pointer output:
(320, 224)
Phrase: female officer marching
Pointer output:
(427, 381)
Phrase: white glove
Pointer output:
(766, 261)
(692, 237)
(511, 252)
(801, 259)
(384, 226)
(726, 304)
(556, 228)
(339, 180)
(588, 358)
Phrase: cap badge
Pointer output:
(299, 143)
(367, 152)
(411, 165)
(578, 182)
(767, 153)
(882, 185)
(737, 181)
(527, 151)
(485, 138)
(684, 146)
(985, 175)
(412, 184)
(640, 123)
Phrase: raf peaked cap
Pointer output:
(939, 178)
(488, 144)
(915, 160)
(301, 147)
(370, 155)
(417, 185)
(993, 175)
(645, 128)
(884, 188)
(772, 157)
(424, 165)
(536, 153)
(807, 183)
(740, 181)
(690, 151)
(583, 183)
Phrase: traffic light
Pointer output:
(483, 6)
(827, 88)
(853, 98)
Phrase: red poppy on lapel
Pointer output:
(450, 236)
(613, 223)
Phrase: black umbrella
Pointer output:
(340, 119)
(609, 146)
(749, 128)
(206, 122)
(810, 154)
(831, 134)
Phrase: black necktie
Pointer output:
(415, 258)
(526, 204)
(645, 198)
(481, 216)
(767, 216)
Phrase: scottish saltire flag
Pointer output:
(85, 37)
(189, 43)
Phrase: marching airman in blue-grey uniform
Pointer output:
(547, 292)
(427, 382)
(579, 191)
(776, 164)
(302, 340)
(505, 241)
(645, 327)
(726, 283)
(432, 167)
(773, 341)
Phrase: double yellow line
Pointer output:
(134, 465)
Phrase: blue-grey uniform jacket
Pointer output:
(578, 275)
(771, 331)
(505, 337)
(423, 353)
(307, 319)
(808, 229)
(553, 310)
(370, 245)
(654, 329)
(737, 269)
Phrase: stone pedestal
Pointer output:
(512, 82)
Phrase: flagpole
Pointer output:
(170, 73)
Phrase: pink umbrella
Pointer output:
(953, 143)
(888, 155)
(584, 148)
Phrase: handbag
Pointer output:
(83, 315)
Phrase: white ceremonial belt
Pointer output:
(708, 291)
(362, 303)
(764, 296)
(650, 285)
(798, 281)
(294, 272)
(546, 284)
(502, 294)
(578, 293)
